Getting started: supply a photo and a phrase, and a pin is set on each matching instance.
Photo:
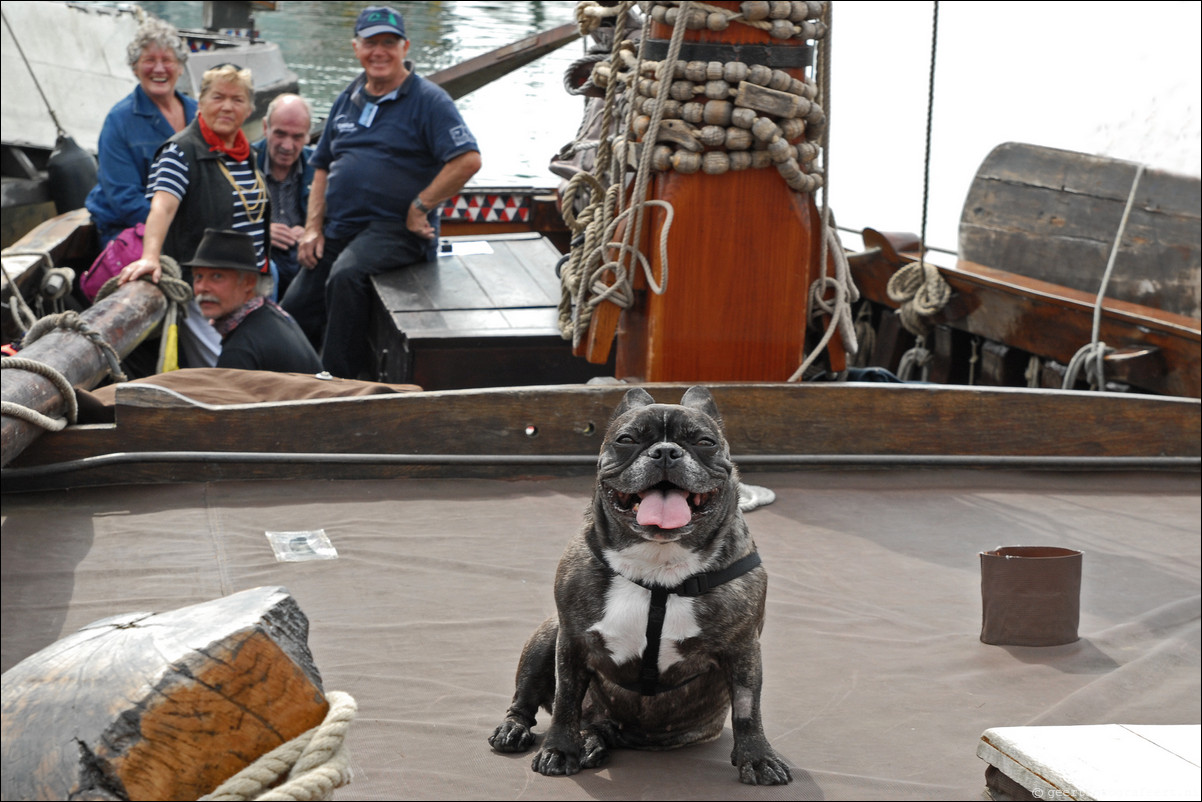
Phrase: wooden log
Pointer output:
(1054, 215)
(160, 705)
(123, 319)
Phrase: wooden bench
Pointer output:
(1107, 761)
(483, 315)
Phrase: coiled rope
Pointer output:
(66, 321)
(308, 767)
(178, 293)
(696, 116)
(918, 288)
(1092, 355)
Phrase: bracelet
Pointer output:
(421, 207)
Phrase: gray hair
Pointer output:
(265, 284)
(278, 99)
(155, 31)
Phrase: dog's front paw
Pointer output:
(594, 752)
(766, 769)
(553, 762)
(511, 736)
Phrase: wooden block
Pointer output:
(1108, 761)
(160, 705)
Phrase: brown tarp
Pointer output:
(877, 685)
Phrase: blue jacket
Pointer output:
(132, 133)
(259, 148)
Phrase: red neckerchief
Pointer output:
(240, 151)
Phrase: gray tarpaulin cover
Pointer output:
(877, 684)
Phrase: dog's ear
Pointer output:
(634, 398)
(700, 399)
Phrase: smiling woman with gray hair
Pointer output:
(136, 126)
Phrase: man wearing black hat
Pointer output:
(231, 290)
(393, 149)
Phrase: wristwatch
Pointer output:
(421, 207)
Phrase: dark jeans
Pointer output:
(286, 267)
(332, 301)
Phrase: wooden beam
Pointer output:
(470, 75)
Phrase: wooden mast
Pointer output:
(740, 252)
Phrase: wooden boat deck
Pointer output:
(483, 315)
(876, 683)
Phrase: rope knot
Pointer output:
(921, 292)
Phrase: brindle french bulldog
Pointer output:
(660, 605)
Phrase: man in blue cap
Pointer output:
(393, 149)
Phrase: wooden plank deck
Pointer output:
(1101, 761)
(483, 315)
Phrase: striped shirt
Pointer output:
(169, 174)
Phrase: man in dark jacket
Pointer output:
(231, 290)
(283, 158)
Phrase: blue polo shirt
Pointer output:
(378, 161)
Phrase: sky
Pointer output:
(1113, 79)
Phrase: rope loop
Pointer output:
(72, 321)
(917, 358)
(921, 292)
(1092, 355)
(171, 283)
(65, 390)
(1092, 358)
(311, 765)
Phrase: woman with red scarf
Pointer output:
(205, 177)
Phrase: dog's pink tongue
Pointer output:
(667, 510)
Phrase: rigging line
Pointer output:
(926, 167)
(29, 67)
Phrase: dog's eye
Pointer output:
(706, 442)
(625, 439)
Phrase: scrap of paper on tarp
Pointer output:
(291, 547)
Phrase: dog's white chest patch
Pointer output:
(624, 625)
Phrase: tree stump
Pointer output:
(160, 705)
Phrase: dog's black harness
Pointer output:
(695, 585)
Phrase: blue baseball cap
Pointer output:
(375, 20)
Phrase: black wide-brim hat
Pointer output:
(228, 250)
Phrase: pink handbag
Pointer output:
(122, 249)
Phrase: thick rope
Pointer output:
(917, 358)
(842, 285)
(65, 321)
(920, 292)
(311, 765)
(171, 283)
(72, 321)
(1092, 355)
(21, 412)
(22, 315)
